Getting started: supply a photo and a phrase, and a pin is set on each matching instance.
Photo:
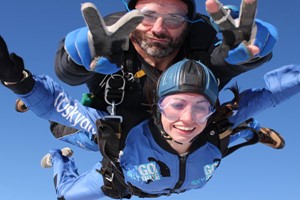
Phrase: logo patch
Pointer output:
(146, 172)
(209, 169)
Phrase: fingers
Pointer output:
(102, 36)
(248, 13)
(220, 15)
(20, 106)
(254, 50)
(212, 6)
(17, 60)
(95, 24)
(126, 24)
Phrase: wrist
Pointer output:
(25, 75)
(23, 86)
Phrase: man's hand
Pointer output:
(99, 47)
(244, 37)
(11, 65)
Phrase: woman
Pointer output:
(158, 152)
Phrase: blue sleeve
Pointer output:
(49, 101)
(72, 186)
(252, 102)
(281, 84)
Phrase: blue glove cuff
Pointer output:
(104, 66)
(266, 37)
(77, 46)
(238, 55)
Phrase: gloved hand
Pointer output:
(283, 82)
(99, 47)
(244, 37)
(11, 65)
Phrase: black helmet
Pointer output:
(191, 7)
(188, 76)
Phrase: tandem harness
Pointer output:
(217, 132)
(219, 135)
(109, 128)
(109, 142)
(109, 134)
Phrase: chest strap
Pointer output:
(114, 186)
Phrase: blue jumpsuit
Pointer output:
(153, 168)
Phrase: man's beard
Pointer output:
(156, 49)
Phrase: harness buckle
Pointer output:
(110, 178)
(115, 86)
(112, 111)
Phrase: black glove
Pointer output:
(99, 47)
(238, 30)
(11, 65)
(245, 38)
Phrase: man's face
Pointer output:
(164, 27)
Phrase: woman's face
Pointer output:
(184, 116)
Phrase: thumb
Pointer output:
(17, 60)
(3, 49)
(253, 49)
(104, 66)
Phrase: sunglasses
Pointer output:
(171, 21)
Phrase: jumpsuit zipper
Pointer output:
(182, 169)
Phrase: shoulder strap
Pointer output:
(114, 186)
(242, 127)
(219, 129)
(219, 135)
(108, 137)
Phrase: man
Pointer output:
(159, 43)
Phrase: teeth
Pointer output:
(184, 128)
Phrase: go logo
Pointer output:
(149, 172)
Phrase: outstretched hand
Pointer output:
(103, 37)
(243, 37)
(100, 47)
(11, 65)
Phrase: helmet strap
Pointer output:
(166, 136)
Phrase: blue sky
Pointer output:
(33, 30)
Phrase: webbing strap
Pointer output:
(218, 133)
(225, 133)
(242, 127)
(252, 141)
(151, 74)
(113, 179)
(109, 132)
